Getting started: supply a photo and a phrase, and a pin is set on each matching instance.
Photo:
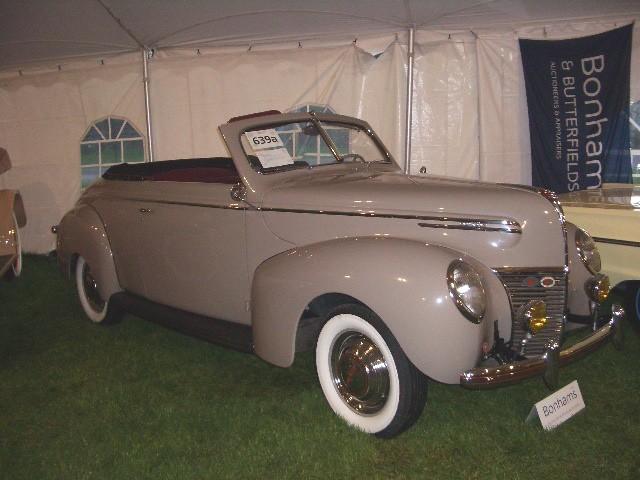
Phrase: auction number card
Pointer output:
(263, 139)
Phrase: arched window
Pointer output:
(108, 142)
(310, 148)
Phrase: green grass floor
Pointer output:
(137, 401)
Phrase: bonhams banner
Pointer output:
(578, 100)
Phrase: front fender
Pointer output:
(402, 281)
(81, 232)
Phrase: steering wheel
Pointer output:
(356, 156)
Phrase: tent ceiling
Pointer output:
(42, 30)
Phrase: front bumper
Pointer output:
(546, 365)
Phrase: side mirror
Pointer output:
(239, 192)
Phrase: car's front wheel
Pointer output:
(633, 304)
(95, 307)
(364, 374)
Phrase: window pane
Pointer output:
(326, 159)
(635, 166)
(116, 124)
(103, 126)
(340, 138)
(313, 108)
(89, 175)
(110, 153)
(320, 109)
(88, 153)
(133, 151)
(306, 144)
(129, 132)
(92, 134)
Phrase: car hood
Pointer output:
(392, 197)
(393, 193)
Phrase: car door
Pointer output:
(186, 248)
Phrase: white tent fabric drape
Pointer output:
(444, 130)
(192, 94)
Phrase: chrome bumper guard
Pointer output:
(546, 365)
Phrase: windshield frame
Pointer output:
(317, 120)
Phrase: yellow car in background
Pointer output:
(611, 215)
(12, 217)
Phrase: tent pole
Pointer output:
(407, 140)
(146, 54)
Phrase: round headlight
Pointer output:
(466, 290)
(587, 251)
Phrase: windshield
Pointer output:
(309, 144)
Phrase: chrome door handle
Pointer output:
(145, 210)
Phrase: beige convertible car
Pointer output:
(612, 215)
(310, 237)
(12, 217)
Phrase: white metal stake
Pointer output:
(146, 54)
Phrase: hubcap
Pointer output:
(91, 290)
(360, 373)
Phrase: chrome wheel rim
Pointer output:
(360, 373)
(90, 287)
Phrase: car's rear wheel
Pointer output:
(632, 305)
(364, 374)
(16, 267)
(97, 309)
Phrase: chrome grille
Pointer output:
(521, 289)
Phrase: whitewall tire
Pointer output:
(95, 307)
(364, 374)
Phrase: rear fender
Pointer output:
(402, 281)
(81, 233)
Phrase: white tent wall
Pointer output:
(444, 127)
(469, 106)
(505, 154)
(43, 117)
(191, 94)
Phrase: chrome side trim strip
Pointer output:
(506, 226)
(231, 206)
(454, 223)
(459, 223)
(539, 270)
(613, 241)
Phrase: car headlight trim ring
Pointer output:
(466, 290)
(588, 251)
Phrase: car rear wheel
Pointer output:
(366, 378)
(95, 307)
(16, 267)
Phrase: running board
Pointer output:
(221, 332)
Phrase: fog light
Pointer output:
(598, 288)
(533, 315)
